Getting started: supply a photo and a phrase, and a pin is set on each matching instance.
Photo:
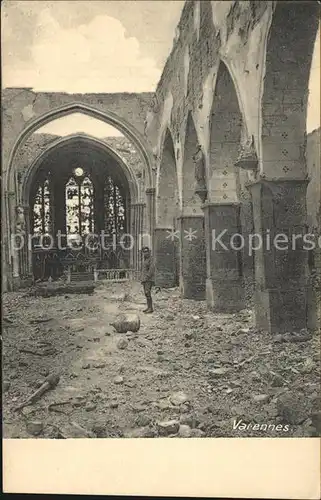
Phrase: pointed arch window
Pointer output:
(115, 209)
(79, 195)
(42, 209)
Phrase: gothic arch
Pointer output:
(85, 140)
(106, 116)
(190, 202)
(289, 51)
(226, 126)
(167, 198)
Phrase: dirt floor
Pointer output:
(187, 372)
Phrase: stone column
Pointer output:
(14, 254)
(281, 288)
(136, 229)
(165, 257)
(192, 256)
(224, 276)
(26, 252)
(150, 215)
(59, 210)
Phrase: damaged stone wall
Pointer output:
(20, 106)
(313, 154)
(208, 32)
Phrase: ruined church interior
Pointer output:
(220, 147)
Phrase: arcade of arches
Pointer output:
(221, 146)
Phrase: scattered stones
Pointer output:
(143, 432)
(189, 421)
(143, 420)
(34, 427)
(113, 405)
(74, 430)
(137, 408)
(316, 421)
(197, 433)
(100, 365)
(261, 398)
(189, 335)
(119, 380)
(308, 366)
(292, 408)
(219, 372)
(90, 406)
(184, 431)
(86, 366)
(168, 427)
(164, 404)
(277, 380)
(5, 385)
(99, 429)
(178, 398)
(243, 330)
(122, 343)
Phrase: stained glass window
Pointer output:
(42, 209)
(79, 206)
(114, 205)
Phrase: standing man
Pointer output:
(148, 278)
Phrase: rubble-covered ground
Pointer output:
(187, 372)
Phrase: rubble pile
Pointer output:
(184, 372)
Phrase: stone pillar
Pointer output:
(25, 258)
(224, 277)
(150, 215)
(136, 229)
(59, 210)
(14, 254)
(247, 228)
(165, 257)
(192, 257)
(281, 286)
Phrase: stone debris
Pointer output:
(34, 427)
(74, 431)
(5, 385)
(118, 380)
(122, 343)
(219, 372)
(90, 406)
(261, 398)
(292, 408)
(168, 427)
(126, 323)
(223, 375)
(178, 398)
(184, 431)
(143, 432)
